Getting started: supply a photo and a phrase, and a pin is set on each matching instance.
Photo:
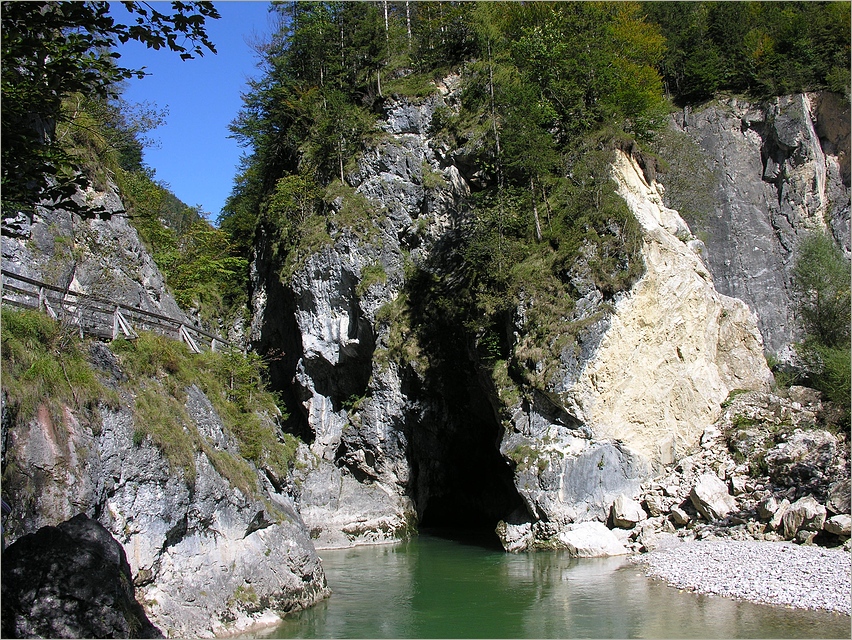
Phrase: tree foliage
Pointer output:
(821, 280)
(764, 48)
(54, 50)
(199, 261)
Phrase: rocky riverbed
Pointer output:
(760, 512)
(778, 573)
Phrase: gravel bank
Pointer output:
(780, 573)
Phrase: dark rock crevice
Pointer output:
(279, 342)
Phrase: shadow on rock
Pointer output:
(71, 581)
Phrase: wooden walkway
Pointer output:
(100, 317)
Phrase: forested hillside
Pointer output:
(548, 90)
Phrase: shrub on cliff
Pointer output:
(821, 278)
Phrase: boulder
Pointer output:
(804, 395)
(767, 508)
(805, 514)
(749, 443)
(710, 497)
(839, 525)
(514, 537)
(679, 517)
(838, 497)
(626, 512)
(591, 540)
(804, 460)
(781, 508)
(738, 485)
(654, 504)
(71, 581)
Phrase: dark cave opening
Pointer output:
(460, 480)
(462, 484)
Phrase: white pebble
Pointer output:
(777, 573)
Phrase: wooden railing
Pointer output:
(100, 317)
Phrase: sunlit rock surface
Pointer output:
(781, 170)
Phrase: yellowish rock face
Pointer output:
(676, 347)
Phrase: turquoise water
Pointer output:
(433, 587)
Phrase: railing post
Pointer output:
(118, 322)
(188, 339)
(44, 305)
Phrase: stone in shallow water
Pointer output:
(591, 540)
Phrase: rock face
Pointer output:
(71, 581)
(682, 345)
(205, 555)
(101, 254)
(210, 550)
(399, 441)
(672, 352)
(782, 171)
(386, 453)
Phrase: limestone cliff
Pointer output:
(427, 437)
(358, 409)
(780, 170)
(214, 545)
(100, 254)
(673, 350)
(207, 556)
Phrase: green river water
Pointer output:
(433, 587)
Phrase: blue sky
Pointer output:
(194, 156)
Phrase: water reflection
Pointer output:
(437, 588)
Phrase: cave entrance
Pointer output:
(459, 482)
(462, 485)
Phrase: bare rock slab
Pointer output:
(591, 540)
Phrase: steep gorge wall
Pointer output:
(99, 254)
(206, 556)
(208, 553)
(390, 435)
(673, 350)
(780, 171)
(363, 407)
